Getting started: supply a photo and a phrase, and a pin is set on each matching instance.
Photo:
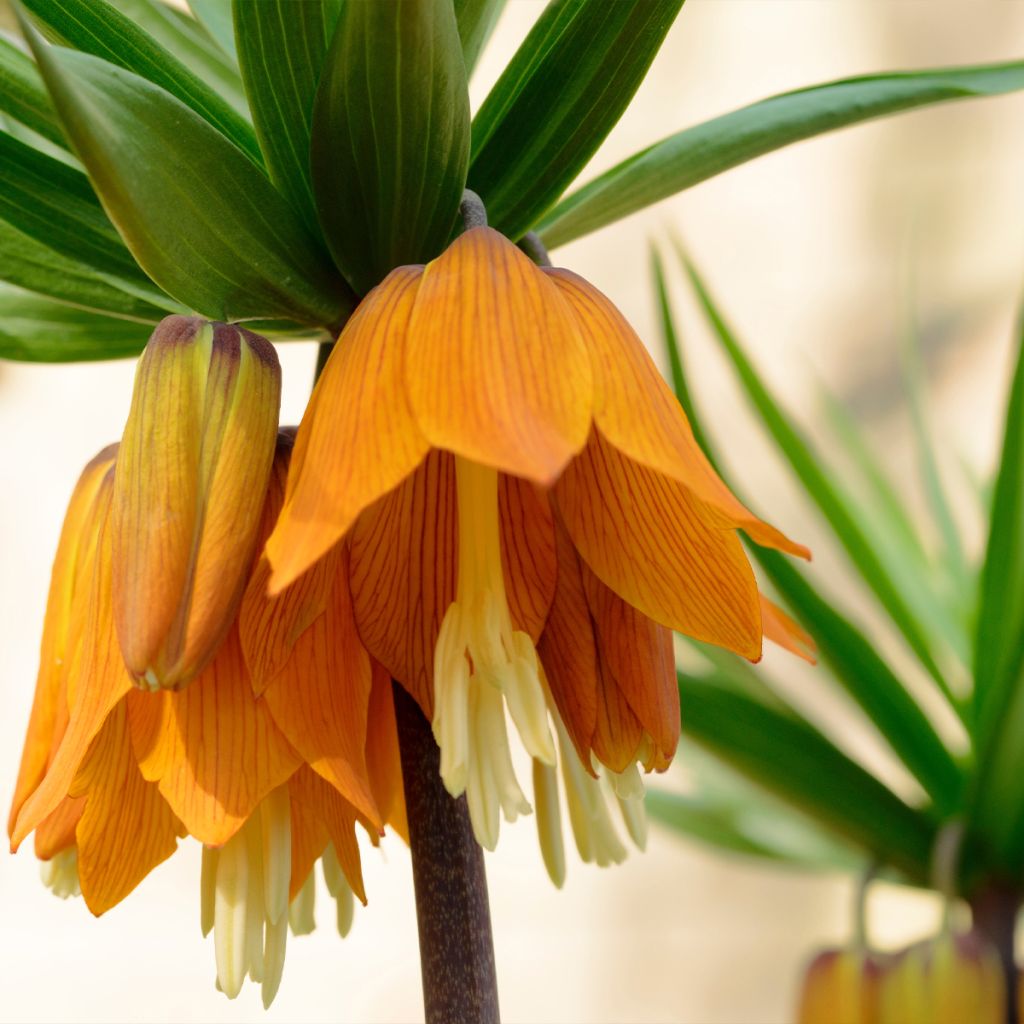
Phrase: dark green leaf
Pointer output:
(999, 645)
(807, 466)
(197, 214)
(691, 156)
(39, 330)
(22, 95)
(282, 45)
(559, 97)
(796, 762)
(55, 204)
(97, 27)
(37, 268)
(476, 20)
(186, 39)
(390, 136)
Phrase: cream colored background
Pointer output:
(808, 251)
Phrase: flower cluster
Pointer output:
(493, 500)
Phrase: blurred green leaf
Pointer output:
(188, 41)
(215, 17)
(390, 140)
(55, 204)
(869, 680)
(557, 100)
(790, 758)
(197, 214)
(31, 265)
(36, 329)
(805, 464)
(97, 27)
(695, 154)
(999, 645)
(282, 45)
(23, 96)
(476, 20)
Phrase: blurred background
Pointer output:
(817, 254)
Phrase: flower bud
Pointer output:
(189, 486)
(841, 986)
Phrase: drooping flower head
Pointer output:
(510, 474)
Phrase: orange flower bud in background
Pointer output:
(841, 986)
(188, 493)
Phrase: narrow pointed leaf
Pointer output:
(999, 646)
(203, 221)
(186, 39)
(807, 466)
(97, 27)
(695, 154)
(560, 96)
(31, 265)
(282, 45)
(40, 330)
(390, 140)
(23, 96)
(55, 204)
(476, 20)
(795, 761)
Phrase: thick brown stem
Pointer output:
(456, 949)
(994, 910)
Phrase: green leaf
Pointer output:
(215, 17)
(37, 268)
(883, 697)
(97, 27)
(390, 140)
(698, 153)
(476, 20)
(801, 457)
(36, 329)
(201, 219)
(22, 95)
(793, 760)
(557, 100)
(55, 204)
(187, 40)
(282, 45)
(999, 645)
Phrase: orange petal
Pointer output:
(786, 632)
(270, 626)
(358, 438)
(127, 827)
(57, 831)
(213, 748)
(312, 799)
(568, 651)
(320, 698)
(41, 737)
(191, 475)
(97, 671)
(637, 659)
(527, 552)
(403, 571)
(647, 538)
(495, 368)
(618, 731)
(382, 755)
(634, 408)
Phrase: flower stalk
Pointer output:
(994, 910)
(456, 948)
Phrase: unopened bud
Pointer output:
(188, 493)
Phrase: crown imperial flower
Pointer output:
(511, 475)
(193, 467)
